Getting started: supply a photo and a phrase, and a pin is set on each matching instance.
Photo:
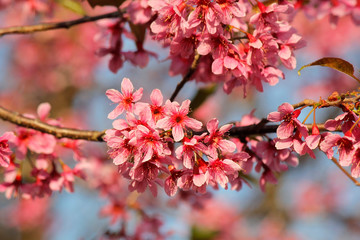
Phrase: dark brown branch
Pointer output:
(58, 132)
(58, 25)
(186, 78)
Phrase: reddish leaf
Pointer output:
(335, 63)
(115, 3)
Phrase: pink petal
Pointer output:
(217, 66)
(285, 130)
(227, 145)
(313, 141)
(156, 97)
(184, 108)
(231, 166)
(43, 110)
(178, 133)
(164, 123)
(193, 123)
(283, 143)
(170, 187)
(199, 179)
(274, 117)
(285, 108)
(127, 87)
(114, 95)
(137, 95)
(230, 62)
(116, 112)
(212, 125)
(285, 52)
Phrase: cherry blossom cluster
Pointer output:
(159, 139)
(292, 134)
(336, 9)
(238, 47)
(47, 172)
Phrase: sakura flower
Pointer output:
(177, 119)
(219, 169)
(157, 110)
(148, 142)
(5, 151)
(189, 149)
(355, 164)
(126, 99)
(345, 147)
(287, 114)
(275, 159)
(216, 139)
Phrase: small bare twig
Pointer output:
(57, 25)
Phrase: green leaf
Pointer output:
(201, 96)
(198, 233)
(334, 63)
(72, 6)
(115, 3)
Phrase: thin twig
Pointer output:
(58, 132)
(344, 171)
(186, 78)
(57, 25)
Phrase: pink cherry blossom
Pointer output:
(5, 151)
(345, 147)
(126, 99)
(216, 139)
(189, 149)
(287, 114)
(220, 170)
(176, 119)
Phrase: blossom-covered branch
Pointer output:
(57, 25)
(58, 132)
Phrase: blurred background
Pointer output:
(313, 201)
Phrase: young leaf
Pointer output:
(72, 6)
(115, 3)
(335, 63)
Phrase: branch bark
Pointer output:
(91, 135)
(58, 132)
(57, 25)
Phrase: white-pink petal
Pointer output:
(178, 133)
(127, 87)
(114, 95)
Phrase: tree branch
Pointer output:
(58, 132)
(90, 135)
(186, 78)
(58, 25)
(343, 99)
